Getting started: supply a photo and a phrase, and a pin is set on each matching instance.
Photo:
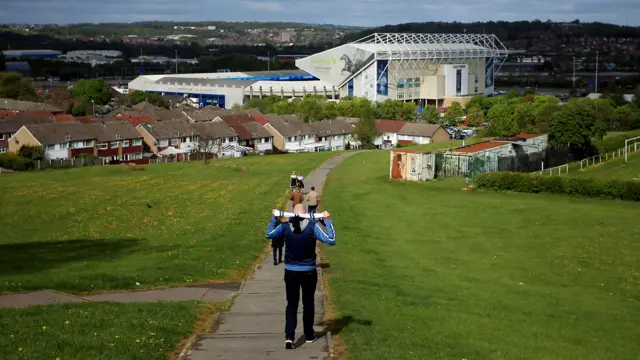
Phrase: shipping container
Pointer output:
(412, 165)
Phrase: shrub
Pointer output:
(14, 162)
(585, 187)
(613, 142)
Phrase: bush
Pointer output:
(14, 162)
(613, 142)
(585, 187)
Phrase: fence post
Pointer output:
(542, 165)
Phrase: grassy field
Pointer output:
(428, 271)
(613, 169)
(107, 228)
(98, 330)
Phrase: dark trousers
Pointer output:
(294, 281)
(313, 209)
(277, 254)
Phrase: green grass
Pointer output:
(90, 229)
(428, 271)
(613, 169)
(97, 330)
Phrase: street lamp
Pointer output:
(176, 50)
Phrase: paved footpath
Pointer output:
(254, 326)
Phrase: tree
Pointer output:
(573, 126)
(366, 131)
(454, 114)
(475, 116)
(431, 115)
(617, 99)
(311, 109)
(14, 86)
(158, 100)
(31, 152)
(136, 97)
(79, 110)
(92, 89)
(636, 96)
(511, 94)
(501, 121)
(476, 102)
(330, 110)
(408, 112)
(205, 148)
(622, 117)
(525, 116)
(604, 111)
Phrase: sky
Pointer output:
(339, 12)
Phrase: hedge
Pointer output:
(586, 187)
(12, 161)
(614, 142)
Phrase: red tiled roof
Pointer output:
(527, 136)
(260, 119)
(7, 113)
(243, 133)
(63, 118)
(389, 126)
(136, 120)
(480, 146)
(85, 119)
(37, 114)
(237, 118)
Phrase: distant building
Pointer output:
(21, 67)
(31, 54)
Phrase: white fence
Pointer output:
(558, 170)
(630, 148)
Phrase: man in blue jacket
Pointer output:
(300, 237)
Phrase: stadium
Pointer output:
(428, 69)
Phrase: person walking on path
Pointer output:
(299, 181)
(296, 196)
(300, 272)
(277, 245)
(313, 200)
(293, 181)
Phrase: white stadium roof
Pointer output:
(406, 46)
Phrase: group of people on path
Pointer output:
(299, 235)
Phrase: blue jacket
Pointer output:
(300, 250)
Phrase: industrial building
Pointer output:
(423, 68)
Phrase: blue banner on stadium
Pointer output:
(382, 86)
(488, 73)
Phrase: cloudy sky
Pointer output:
(343, 12)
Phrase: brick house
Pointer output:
(159, 136)
(332, 135)
(291, 134)
(10, 125)
(60, 141)
(250, 130)
(117, 141)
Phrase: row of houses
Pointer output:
(145, 131)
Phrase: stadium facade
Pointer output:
(423, 68)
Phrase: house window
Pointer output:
(1, 136)
(417, 82)
(400, 95)
(186, 139)
(268, 140)
(63, 146)
(476, 89)
(401, 83)
(51, 147)
(136, 156)
(410, 83)
(336, 137)
(164, 142)
(114, 144)
(137, 142)
(174, 141)
(290, 139)
(125, 157)
(125, 143)
(3, 149)
(103, 146)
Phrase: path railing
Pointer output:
(558, 170)
(631, 148)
